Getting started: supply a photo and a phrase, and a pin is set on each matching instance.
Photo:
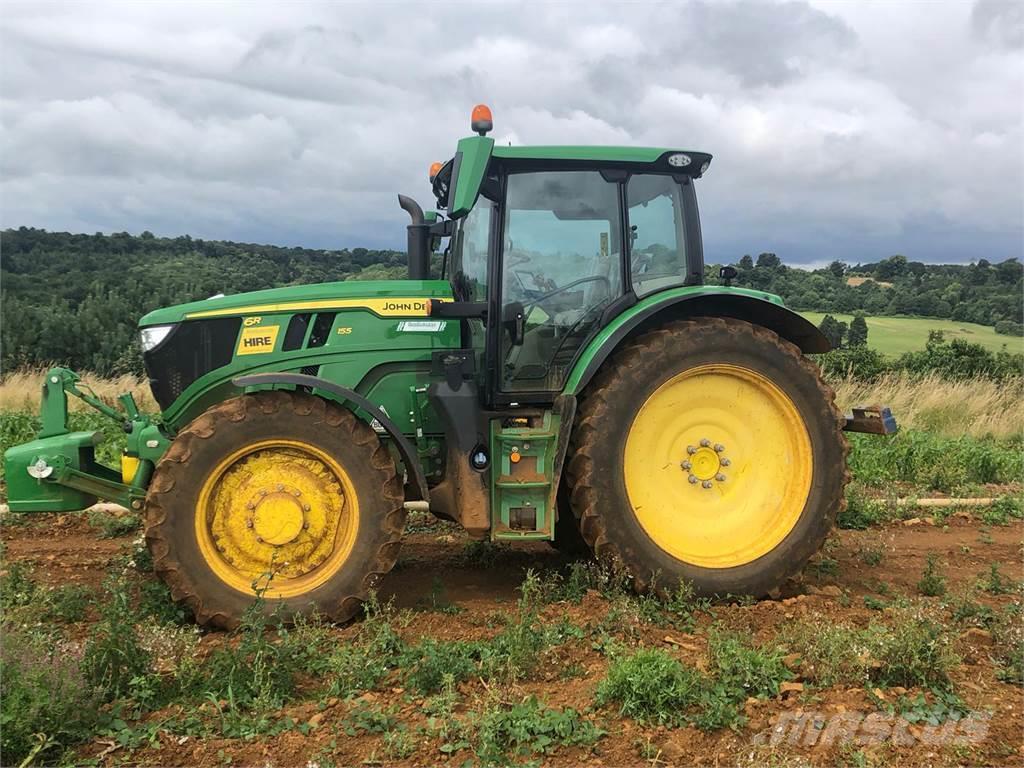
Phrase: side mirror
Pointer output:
(513, 320)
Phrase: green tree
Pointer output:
(858, 336)
(832, 330)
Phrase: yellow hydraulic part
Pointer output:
(718, 466)
(129, 466)
(282, 510)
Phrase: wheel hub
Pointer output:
(276, 510)
(278, 518)
(705, 463)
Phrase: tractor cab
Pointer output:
(550, 243)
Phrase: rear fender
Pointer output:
(755, 307)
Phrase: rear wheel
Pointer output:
(711, 451)
(277, 492)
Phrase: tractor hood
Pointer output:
(383, 297)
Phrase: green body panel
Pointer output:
(360, 340)
(349, 290)
(662, 298)
(472, 156)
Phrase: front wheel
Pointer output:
(277, 493)
(710, 451)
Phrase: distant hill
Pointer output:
(76, 298)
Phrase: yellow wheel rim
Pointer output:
(279, 513)
(718, 466)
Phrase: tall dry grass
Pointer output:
(975, 407)
(21, 390)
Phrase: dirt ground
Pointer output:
(434, 566)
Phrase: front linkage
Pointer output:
(58, 471)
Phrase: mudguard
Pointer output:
(757, 307)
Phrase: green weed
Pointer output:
(861, 511)
(934, 462)
(744, 670)
(1008, 631)
(506, 732)
(114, 661)
(1003, 510)
(994, 582)
(361, 666)
(875, 603)
(48, 704)
(112, 526)
(432, 662)
(650, 686)
(911, 649)
(369, 718)
(932, 583)
(17, 588)
(872, 556)
(66, 603)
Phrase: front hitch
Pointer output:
(58, 471)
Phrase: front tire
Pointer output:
(277, 492)
(709, 451)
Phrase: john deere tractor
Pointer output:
(569, 377)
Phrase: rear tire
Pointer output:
(710, 451)
(274, 482)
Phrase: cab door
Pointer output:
(559, 265)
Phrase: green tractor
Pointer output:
(569, 378)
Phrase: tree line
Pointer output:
(981, 292)
(76, 298)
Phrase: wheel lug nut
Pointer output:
(263, 492)
(725, 462)
(686, 465)
(280, 487)
(705, 442)
(720, 477)
(719, 447)
(259, 539)
(249, 523)
(305, 526)
(691, 450)
(692, 479)
(298, 493)
(706, 484)
(306, 507)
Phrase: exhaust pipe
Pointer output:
(418, 236)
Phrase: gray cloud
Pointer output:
(840, 129)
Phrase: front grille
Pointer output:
(190, 351)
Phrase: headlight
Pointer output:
(154, 335)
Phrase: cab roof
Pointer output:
(693, 163)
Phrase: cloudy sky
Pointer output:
(847, 130)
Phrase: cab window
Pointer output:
(656, 233)
(561, 267)
(469, 264)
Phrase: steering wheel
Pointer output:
(567, 286)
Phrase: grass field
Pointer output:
(896, 335)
